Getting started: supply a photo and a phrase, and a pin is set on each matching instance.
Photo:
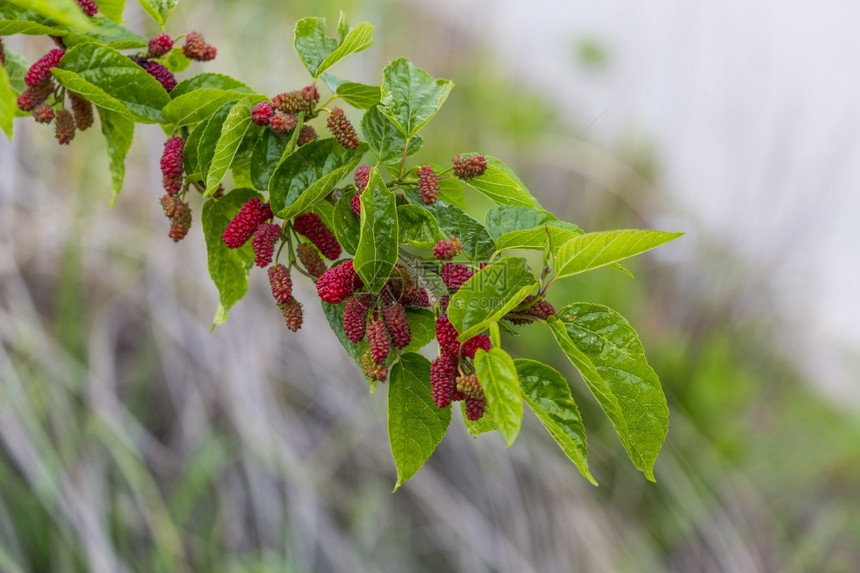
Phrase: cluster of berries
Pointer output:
(175, 209)
(281, 114)
(47, 103)
(464, 167)
(159, 46)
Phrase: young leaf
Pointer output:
(415, 424)
(548, 395)
(411, 96)
(233, 131)
(498, 375)
(356, 40)
(450, 190)
(309, 173)
(355, 94)
(376, 254)
(594, 250)
(418, 227)
(346, 225)
(609, 355)
(319, 52)
(118, 130)
(227, 267)
(8, 104)
(267, 153)
(153, 8)
(500, 184)
(63, 12)
(200, 104)
(493, 292)
(105, 76)
(209, 81)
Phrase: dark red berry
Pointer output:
(31, 97)
(41, 68)
(159, 45)
(398, 325)
(475, 408)
(311, 259)
(361, 177)
(82, 110)
(196, 48)
(263, 243)
(540, 310)
(179, 214)
(172, 165)
(341, 128)
(89, 7)
(355, 202)
(252, 214)
(428, 184)
(471, 346)
(469, 166)
(306, 135)
(64, 125)
(377, 337)
(443, 379)
(355, 317)
(311, 226)
(338, 282)
(282, 122)
(448, 249)
(262, 112)
(164, 76)
(281, 283)
(446, 336)
(43, 113)
(293, 314)
(454, 275)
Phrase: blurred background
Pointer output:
(132, 439)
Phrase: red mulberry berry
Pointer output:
(443, 379)
(43, 113)
(355, 202)
(475, 408)
(341, 128)
(171, 165)
(361, 177)
(159, 45)
(541, 310)
(398, 325)
(446, 336)
(82, 110)
(355, 317)
(41, 68)
(454, 275)
(262, 112)
(306, 135)
(89, 7)
(252, 214)
(281, 283)
(377, 337)
(2, 53)
(311, 259)
(311, 226)
(470, 387)
(447, 250)
(372, 370)
(196, 48)
(296, 101)
(338, 282)
(471, 346)
(428, 184)
(263, 243)
(417, 298)
(282, 122)
(64, 126)
(469, 166)
(293, 314)
(31, 97)
(179, 214)
(164, 76)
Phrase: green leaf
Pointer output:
(209, 81)
(519, 227)
(176, 61)
(105, 76)
(376, 254)
(106, 32)
(17, 20)
(609, 355)
(418, 227)
(334, 316)
(422, 325)
(16, 69)
(494, 291)
(8, 104)
(498, 375)
(267, 153)
(200, 104)
(63, 12)
(383, 137)
(309, 174)
(319, 52)
(112, 9)
(548, 395)
(159, 10)
(167, 7)
(500, 184)
(450, 190)
(346, 226)
(361, 96)
(506, 219)
(118, 130)
(594, 250)
(190, 159)
(227, 267)
(209, 139)
(411, 96)
(233, 131)
(477, 242)
(475, 428)
(415, 424)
